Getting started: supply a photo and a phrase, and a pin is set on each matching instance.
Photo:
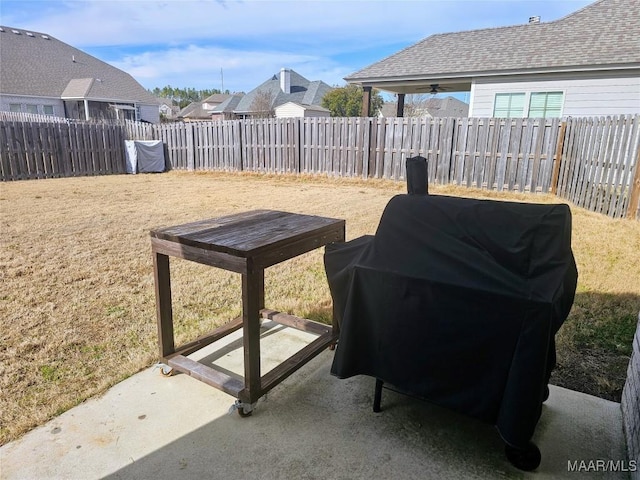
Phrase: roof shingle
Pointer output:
(603, 34)
(40, 65)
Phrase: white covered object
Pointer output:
(144, 156)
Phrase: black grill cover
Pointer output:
(457, 301)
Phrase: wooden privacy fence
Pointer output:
(513, 154)
(48, 150)
(600, 168)
(593, 162)
(31, 117)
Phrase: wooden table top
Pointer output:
(250, 233)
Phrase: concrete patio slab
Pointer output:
(312, 426)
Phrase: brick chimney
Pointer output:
(285, 80)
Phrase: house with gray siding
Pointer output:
(584, 64)
(286, 86)
(42, 75)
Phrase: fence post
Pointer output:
(634, 200)
(241, 148)
(366, 146)
(558, 159)
(190, 147)
(297, 151)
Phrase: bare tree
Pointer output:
(262, 104)
(415, 104)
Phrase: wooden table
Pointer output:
(245, 243)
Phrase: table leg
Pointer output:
(252, 302)
(336, 315)
(164, 312)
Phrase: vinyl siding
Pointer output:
(150, 113)
(290, 109)
(585, 95)
(56, 103)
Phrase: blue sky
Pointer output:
(186, 43)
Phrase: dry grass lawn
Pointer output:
(77, 305)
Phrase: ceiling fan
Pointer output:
(434, 88)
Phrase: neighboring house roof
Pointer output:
(389, 109)
(167, 107)
(603, 35)
(228, 105)
(315, 91)
(165, 101)
(217, 98)
(430, 107)
(195, 111)
(77, 88)
(446, 107)
(37, 64)
(302, 91)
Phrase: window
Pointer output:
(32, 109)
(546, 104)
(509, 105)
(47, 109)
(15, 107)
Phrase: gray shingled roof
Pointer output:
(446, 107)
(229, 105)
(217, 98)
(302, 91)
(434, 107)
(195, 111)
(40, 65)
(603, 34)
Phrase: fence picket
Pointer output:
(627, 167)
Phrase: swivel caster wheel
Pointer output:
(244, 414)
(165, 369)
(526, 459)
(243, 409)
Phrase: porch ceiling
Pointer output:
(423, 85)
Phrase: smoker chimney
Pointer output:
(535, 19)
(417, 176)
(285, 80)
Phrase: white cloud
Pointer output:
(199, 67)
(125, 22)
